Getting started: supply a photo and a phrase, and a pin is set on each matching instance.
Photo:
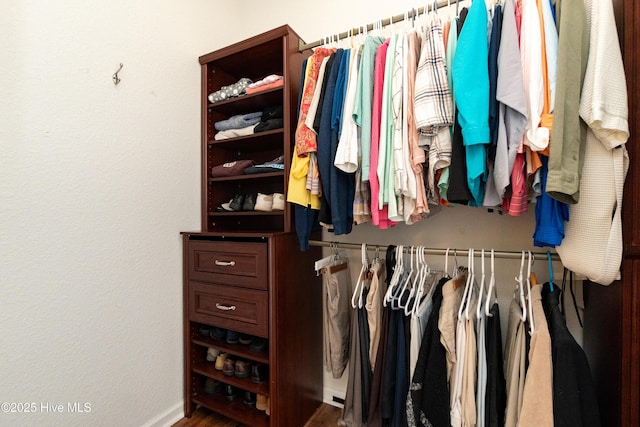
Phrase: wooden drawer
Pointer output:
(230, 263)
(238, 309)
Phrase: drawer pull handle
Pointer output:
(225, 263)
(225, 307)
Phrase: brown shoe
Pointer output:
(229, 367)
(242, 369)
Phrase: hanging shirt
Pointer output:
(574, 392)
(363, 104)
(416, 152)
(347, 152)
(471, 79)
(603, 106)
(386, 165)
(491, 198)
(305, 138)
(495, 400)
(515, 364)
(379, 217)
(325, 158)
(566, 155)
(550, 215)
(510, 94)
(537, 398)
(531, 49)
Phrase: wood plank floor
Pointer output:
(326, 415)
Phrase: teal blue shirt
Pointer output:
(471, 83)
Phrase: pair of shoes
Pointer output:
(261, 402)
(204, 330)
(220, 361)
(234, 205)
(212, 386)
(231, 392)
(239, 368)
(245, 339)
(268, 410)
(258, 345)
(232, 337)
(217, 333)
(269, 202)
(212, 354)
(259, 373)
(249, 399)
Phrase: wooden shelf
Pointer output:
(235, 349)
(248, 139)
(250, 176)
(248, 103)
(246, 213)
(207, 369)
(234, 409)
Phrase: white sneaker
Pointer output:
(278, 201)
(212, 354)
(264, 202)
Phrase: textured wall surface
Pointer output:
(96, 181)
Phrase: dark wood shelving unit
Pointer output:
(243, 270)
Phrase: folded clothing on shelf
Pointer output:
(273, 112)
(274, 165)
(239, 121)
(234, 133)
(271, 78)
(231, 91)
(231, 168)
(270, 124)
(276, 84)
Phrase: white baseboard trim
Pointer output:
(328, 394)
(168, 417)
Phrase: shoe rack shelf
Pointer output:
(257, 284)
(273, 52)
(235, 410)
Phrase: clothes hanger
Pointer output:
(416, 289)
(491, 288)
(529, 285)
(328, 260)
(396, 302)
(461, 308)
(471, 286)
(397, 271)
(480, 292)
(417, 282)
(357, 292)
(520, 290)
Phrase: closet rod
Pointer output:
(438, 251)
(385, 22)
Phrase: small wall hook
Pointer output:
(116, 79)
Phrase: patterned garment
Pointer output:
(305, 138)
(433, 103)
(361, 200)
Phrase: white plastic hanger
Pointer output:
(520, 289)
(413, 290)
(472, 282)
(467, 286)
(491, 288)
(397, 273)
(529, 300)
(480, 292)
(356, 298)
(396, 301)
(415, 286)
